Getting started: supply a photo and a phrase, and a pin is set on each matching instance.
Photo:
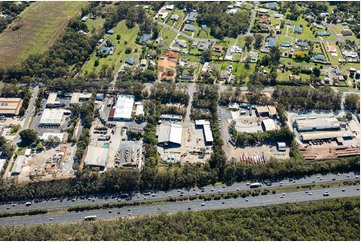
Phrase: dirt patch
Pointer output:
(167, 63)
(328, 151)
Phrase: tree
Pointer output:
(207, 55)
(352, 103)
(316, 71)
(96, 63)
(299, 55)
(248, 41)
(258, 41)
(275, 55)
(128, 50)
(28, 136)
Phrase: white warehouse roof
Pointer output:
(317, 124)
(325, 135)
(96, 156)
(206, 129)
(139, 109)
(52, 117)
(124, 107)
(46, 136)
(170, 133)
(268, 124)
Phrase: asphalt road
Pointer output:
(299, 196)
(66, 203)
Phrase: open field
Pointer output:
(126, 34)
(42, 23)
(95, 24)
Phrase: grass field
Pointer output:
(42, 23)
(167, 35)
(128, 35)
(96, 24)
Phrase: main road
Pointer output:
(195, 205)
(56, 204)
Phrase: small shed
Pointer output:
(281, 146)
(130, 61)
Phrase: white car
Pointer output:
(310, 193)
(203, 204)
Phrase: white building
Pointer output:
(268, 125)
(317, 124)
(207, 131)
(96, 157)
(51, 101)
(2, 163)
(170, 134)
(139, 110)
(169, 7)
(77, 96)
(52, 117)
(123, 107)
(46, 136)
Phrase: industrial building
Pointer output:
(171, 117)
(169, 134)
(51, 101)
(52, 117)
(130, 154)
(76, 97)
(10, 106)
(18, 165)
(139, 110)
(207, 131)
(305, 125)
(266, 111)
(268, 125)
(123, 108)
(46, 136)
(327, 135)
(96, 157)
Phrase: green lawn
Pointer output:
(338, 28)
(96, 24)
(128, 35)
(333, 59)
(168, 35)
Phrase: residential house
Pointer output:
(332, 49)
(265, 19)
(285, 44)
(322, 34)
(232, 11)
(185, 77)
(189, 27)
(130, 61)
(225, 74)
(272, 5)
(110, 31)
(192, 17)
(204, 27)
(271, 42)
(346, 32)
(181, 43)
(174, 17)
(107, 50)
(302, 44)
(298, 29)
(218, 48)
(319, 57)
(263, 10)
(203, 46)
(169, 7)
(253, 56)
(145, 38)
(143, 63)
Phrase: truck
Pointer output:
(255, 185)
(90, 217)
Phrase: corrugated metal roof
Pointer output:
(96, 156)
(124, 107)
(268, 124)
(18, 164)
(325, 135)
(171, 133)
(317, 124)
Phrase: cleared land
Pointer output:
(42, 23)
